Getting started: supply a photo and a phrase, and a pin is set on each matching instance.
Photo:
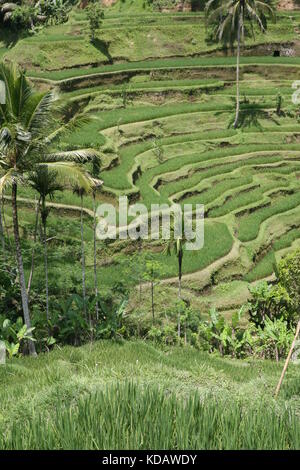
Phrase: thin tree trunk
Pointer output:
(287, 360)
(37, 209)
(46, 269)
(83, 261)
(237, 111)
(19, 257)
(152, 300)
(179, 291)
(179, 326)
(95, 258)
(140, 275)
(2, 236)
(179, 274)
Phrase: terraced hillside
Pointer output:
(161, 101)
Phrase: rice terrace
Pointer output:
(142, 343)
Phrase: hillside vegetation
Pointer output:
(153, 81)
(139, 344)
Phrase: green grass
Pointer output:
(156, 85)
(217, 243)
(265, 266)
(161, 64)
(134, 396)
(249, 225)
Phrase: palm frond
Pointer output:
(6, 179)
(38, 116)
(71, 126)
(71, 174)
(80, 156)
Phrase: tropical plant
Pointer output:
(53, 11)
(26, 121)
(275, 338)
(269, 301)
(289, 278)
(14, 335)
(95, 15)
(176, 245)
(158, 150)
(45, 183)
(152, 273)
(230, 20)
(82, 192)
(111, 322)
(37, 211)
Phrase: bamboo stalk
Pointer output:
(287, 360)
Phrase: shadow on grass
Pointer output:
(103, 47)
(9, 38)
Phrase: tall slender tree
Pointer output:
(231, 20)
(95, 256)
(26, 119)
(37, 211)
(45, 183)
(176, 244)
(82, 192)
(2, 235)
(96, 166)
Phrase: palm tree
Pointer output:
(80, 191)
(26, 119)
(96, 166)
(230, 19)
(45, 182)
(37, 211)
(95, 256)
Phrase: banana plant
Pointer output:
(15, 335)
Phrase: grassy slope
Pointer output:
(146, 37)
(69, 375)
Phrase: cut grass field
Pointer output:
(133, 396)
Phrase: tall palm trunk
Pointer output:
(37, 210)
(140, 244)
(179, 289)
(95, 258)
(45, 255)
(83, 259)
(24, 296)
(2, 236)
(179, 273)
(237, 110)
(152, 301)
